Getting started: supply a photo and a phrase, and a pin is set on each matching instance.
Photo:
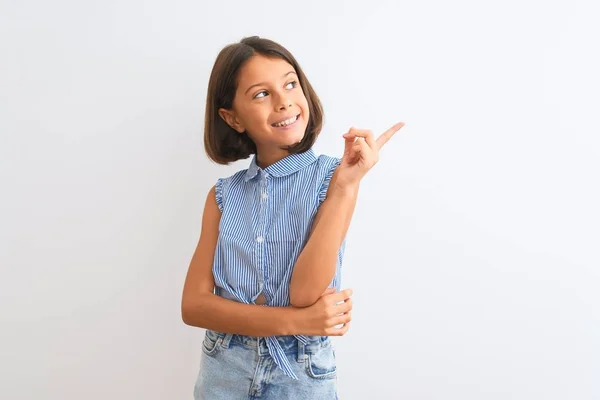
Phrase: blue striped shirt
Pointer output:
(266, 219)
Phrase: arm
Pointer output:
(200, 307)
(315, 266)
(317, 262)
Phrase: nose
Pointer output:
(284, 102)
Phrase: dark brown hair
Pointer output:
(222, 143)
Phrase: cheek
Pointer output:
(303, 103)
(257, 115)
(306, 110)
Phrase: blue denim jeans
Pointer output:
(236, 367)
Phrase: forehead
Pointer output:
(262, 69)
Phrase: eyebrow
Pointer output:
(264, 83)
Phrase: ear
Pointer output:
(230, 118)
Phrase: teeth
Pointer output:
(287, 122)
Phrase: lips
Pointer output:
(296, 116)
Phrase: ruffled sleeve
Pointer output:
(335, 162)
(219, 193)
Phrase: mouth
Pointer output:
(287, 122)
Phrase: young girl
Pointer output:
(263, 278)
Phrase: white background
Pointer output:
(474, 250)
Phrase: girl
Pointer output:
(262, 279)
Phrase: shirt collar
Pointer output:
(285, 166)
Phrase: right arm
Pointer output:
(200, 307)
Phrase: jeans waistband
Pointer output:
(289, 344)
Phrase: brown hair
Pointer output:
(222, 143)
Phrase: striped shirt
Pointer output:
(266, 218)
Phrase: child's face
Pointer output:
(269, 92)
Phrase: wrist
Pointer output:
(345, 189)
(294, 323)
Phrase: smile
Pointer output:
(287, 123)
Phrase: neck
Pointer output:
(267, 158)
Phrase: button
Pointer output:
(264, 196)
(260, 239)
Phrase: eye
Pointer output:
(264, 91)
(257, 94)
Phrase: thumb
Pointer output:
(348, 142)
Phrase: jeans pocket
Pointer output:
(320, 364)
(211, 343)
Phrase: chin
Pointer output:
(288, 138)
(294, 141)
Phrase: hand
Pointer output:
(361, 153)
(321, 318)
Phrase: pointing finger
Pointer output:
(387, 135)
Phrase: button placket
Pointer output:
(263, 212)
(260, 236)
(265, 208)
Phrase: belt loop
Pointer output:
(226, 340)
(301, 351)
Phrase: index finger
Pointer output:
(387, 135)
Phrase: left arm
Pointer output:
(316, 265)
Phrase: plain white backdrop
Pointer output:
(474, 250)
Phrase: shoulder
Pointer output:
(238, 176)
(224, 183)
(223, 186)
(327, 160)
(327, 163)
(326, 167)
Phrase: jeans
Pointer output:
(236, 367)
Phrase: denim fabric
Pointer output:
(236, 367)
